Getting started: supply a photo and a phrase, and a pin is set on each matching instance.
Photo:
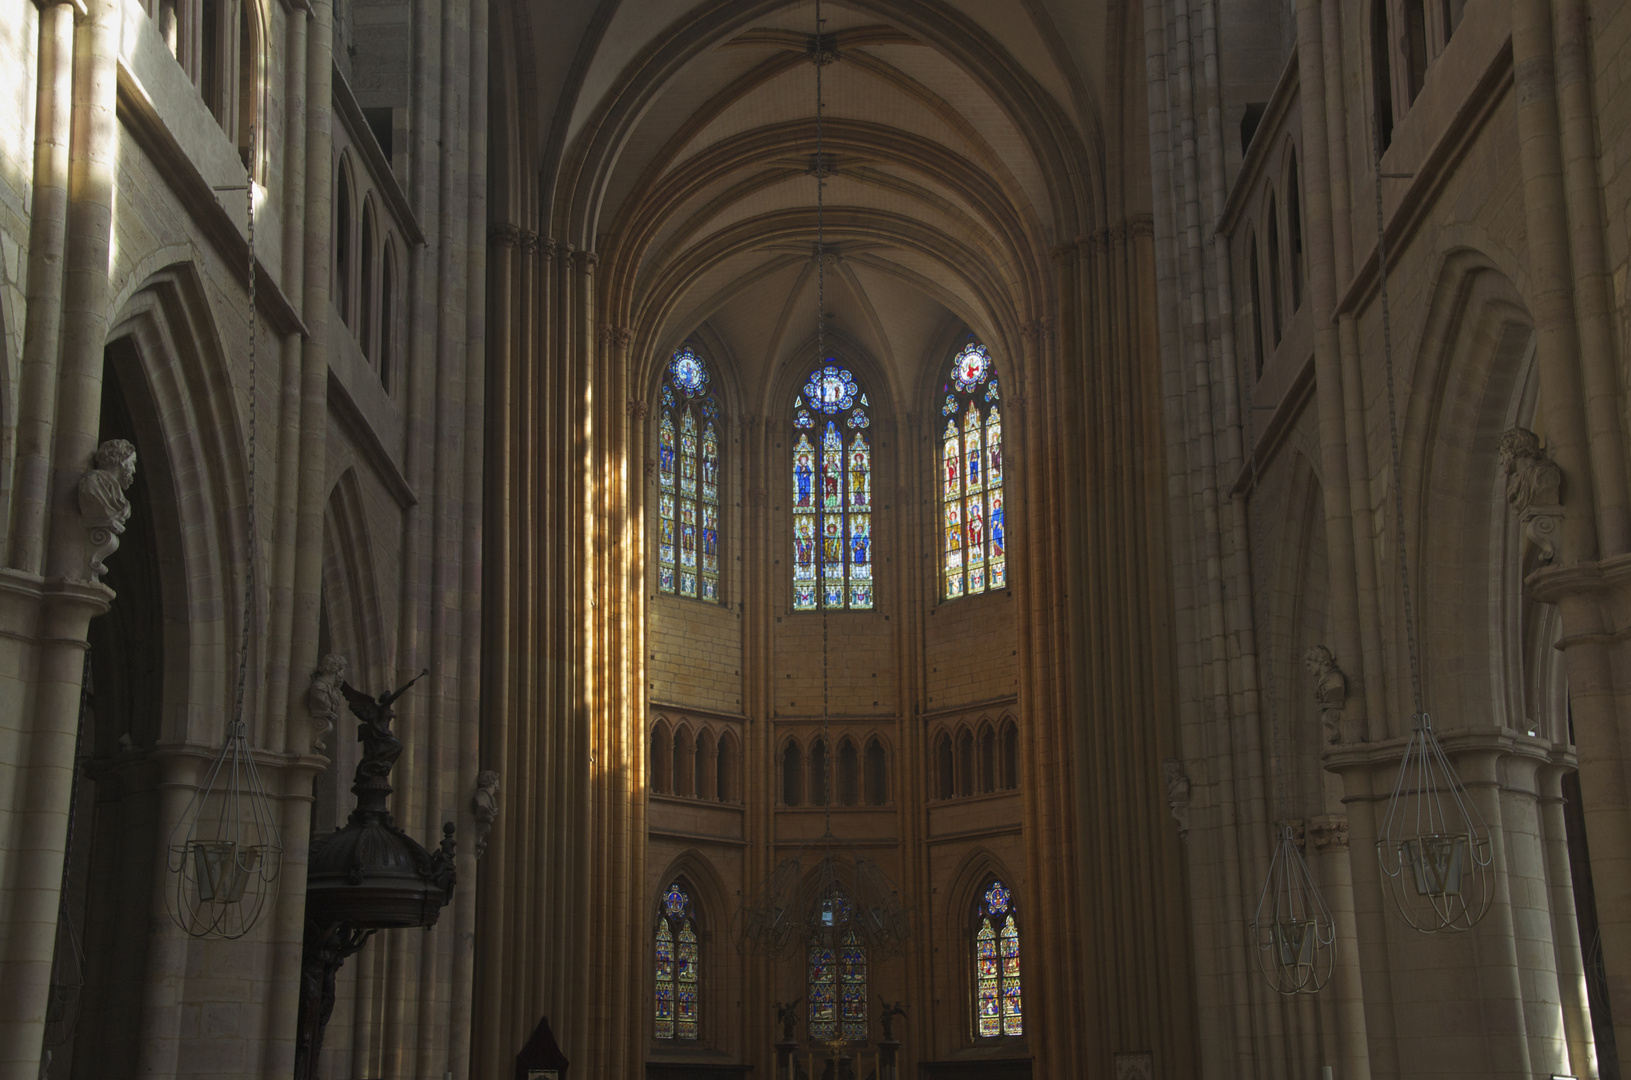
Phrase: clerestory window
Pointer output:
(832, 493)
(973, 532)
(688, 475)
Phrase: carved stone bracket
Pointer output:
(638, 409)
(1177, 784)
(1330, 690)
(324, 700)
(485, 805)
(1534, 489)
(102, 501)
(1328, 832)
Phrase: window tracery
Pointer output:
(688, 475)
(974, 530)
(832, 493)
(998, 992)
(674, 1003)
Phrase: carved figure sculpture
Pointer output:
(787, 1017)
(484, 804)
(380, 747)
(1534, 487)
(102, 501)
(887, 1016)
(1172, 772)
(324, 700)
(1330, 690)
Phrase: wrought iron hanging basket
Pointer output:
(1437, 860)
(225, 852)
(1292, 929)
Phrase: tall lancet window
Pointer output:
(688, 481)
(675, 1004)
(998, 1002)
(974, 532)
(832, 493)
(837, 983)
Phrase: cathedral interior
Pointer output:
(952, 539)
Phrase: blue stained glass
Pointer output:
(971, 479)
(688, 478)
(998, 998)
(832, 492)
(675, 993)
(832, 390)
(971, 367)
(688, 372)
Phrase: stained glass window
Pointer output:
(675, 1002)
(971, 492)
(837, 978)
(688, 481)
(832, 493)
(998, 1001)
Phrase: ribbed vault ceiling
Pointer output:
(961, 136)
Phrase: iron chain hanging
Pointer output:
(225, 852)
(1435, 852)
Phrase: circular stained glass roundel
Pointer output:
(996, 898)
(972, 367)
(675, 901)
(831, 389)
(689, 372)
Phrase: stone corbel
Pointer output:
(324, 700)
(1328, 832)
(102, 501)
(1177, 784)
(485, 805)
(1534, 489)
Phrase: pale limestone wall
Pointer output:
(1308, 539)
(341, 464)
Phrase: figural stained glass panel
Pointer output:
(998, 995)
(675, 1004)
(832, 493)
(837, 979)
(688, 477)
(973, 529)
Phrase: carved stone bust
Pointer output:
(102, 501)
(1532, 478)
(1534, 488)
(324, 700)
(484, 806)
(1177, 784)
(1330, 690)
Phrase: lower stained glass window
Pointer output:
(837, 978)
(675, 996)
(998, 998)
